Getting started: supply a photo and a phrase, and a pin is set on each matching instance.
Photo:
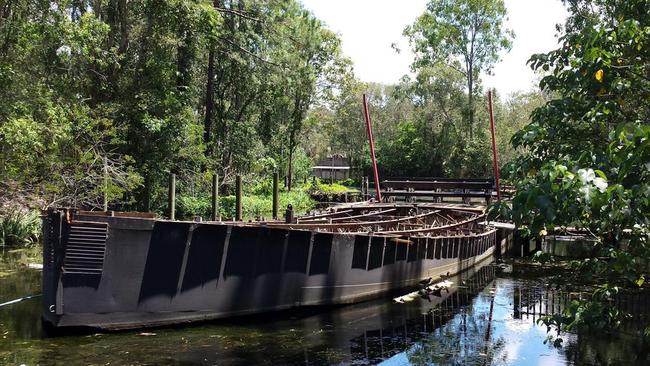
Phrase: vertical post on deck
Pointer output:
(366, 183)
(495, 162)
(276, 183)
(171, 203)
(238, 198)
(366, 116)
(363, 188)
(215, 197)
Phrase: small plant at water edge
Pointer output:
(19, 228)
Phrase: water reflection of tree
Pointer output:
(461, 341)
(603, 349)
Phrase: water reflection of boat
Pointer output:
(359, 334)
(382, 331)
(117, 271)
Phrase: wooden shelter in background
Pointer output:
(333, 168)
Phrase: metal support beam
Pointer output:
(366, 116)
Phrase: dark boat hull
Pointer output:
(112, 272)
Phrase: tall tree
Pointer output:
(465, 34)
(317, 50)
(209, 94)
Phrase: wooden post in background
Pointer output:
(171, 203)
(238, 192)
(367, 188)
(215, 197)
(276, 178)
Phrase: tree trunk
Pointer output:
(296, 119)
(470, 89)
(78, 9)
(147, 193)
(209, 97)
(184, 58)
(97, 9)
(116, 16)
(124, 27)
(292, 137)
(471, 115)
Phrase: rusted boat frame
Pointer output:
(437, 228)
(326, 215)
(352, 225)
(411, 224)
(366, 215)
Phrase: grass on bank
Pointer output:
(19, 228)
(257, 200)
(253, 206)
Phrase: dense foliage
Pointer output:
(587, 160)
(108, 97)
(103, 99)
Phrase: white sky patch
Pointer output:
(368, 28)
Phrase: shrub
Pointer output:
(262, 206)
(19, 228)
(349, 182)
(253, 205)
(190, 206)
(324, 188)
(263, 187)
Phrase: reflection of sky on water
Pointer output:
(524, 339)
(512, 341)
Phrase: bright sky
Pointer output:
(369, 27)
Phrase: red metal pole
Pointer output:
(494, 147)
(366, 116)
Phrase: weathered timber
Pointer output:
(215, 197)
(238, 198)
(276, 194)
(171, 199)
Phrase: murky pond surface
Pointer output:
(488, 319)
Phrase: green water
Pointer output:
(459, 331)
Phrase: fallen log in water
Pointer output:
(425, 292)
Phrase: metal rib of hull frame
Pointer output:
(310, 220)
(351, 225)
(432, 229)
